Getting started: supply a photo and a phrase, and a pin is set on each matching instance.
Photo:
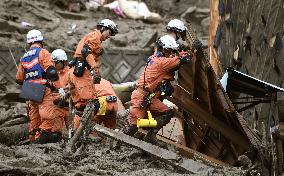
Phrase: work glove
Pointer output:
(185, 58)
(166, 88)
(96, 77)
(86, 50)
(62, 93)
(72, 62)
(96, 104)
(146, 101)
(61, 103)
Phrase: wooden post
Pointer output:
(84, 121)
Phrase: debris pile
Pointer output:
(64, 23)
(13, 119)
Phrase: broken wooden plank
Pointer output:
(193, 107)
(195, 79)
(192, 154)
(84, 121)
(169, 157)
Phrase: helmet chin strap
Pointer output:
(166, 52)
(177, 36)
(102, 29)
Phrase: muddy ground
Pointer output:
(100, 158)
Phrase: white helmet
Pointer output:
(109, 24)
(59, 55)
(168, 42)
(176, 25)
(34, 36)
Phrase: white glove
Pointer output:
(62, 93)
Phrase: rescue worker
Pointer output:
(36, 69)
(85, 74)
(158, 70)
(60, 58)
(89, 49)
(108, 109)
(54, 109)
(176, 29)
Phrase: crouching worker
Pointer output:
(54, 108)
(60, 58)
(152, 86)
(35, 70)
(108, 106)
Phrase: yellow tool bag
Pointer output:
(147, 123)
(103, 105)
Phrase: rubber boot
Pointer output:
(49, 137)
(130, 130)
(151, 137)
(161, 121)
(55, 137)
(43, 138)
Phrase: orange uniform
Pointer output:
(82, 89)
(109, 119)
(52, 116)
(158, 69)
(93, 40)
(45, 61)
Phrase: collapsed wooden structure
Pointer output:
(211, 124)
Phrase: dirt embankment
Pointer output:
(55, 23)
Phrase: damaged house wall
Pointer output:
(249, 37)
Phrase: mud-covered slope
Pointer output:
(100, 159)
(47, 17)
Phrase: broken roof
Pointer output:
(234, 80)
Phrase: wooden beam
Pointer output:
(195, 72)
(89, 111)
(199, 144)
(183, 100)
(169, 157)
(190, 153)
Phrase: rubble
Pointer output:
(71, 15)
(103, 158)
